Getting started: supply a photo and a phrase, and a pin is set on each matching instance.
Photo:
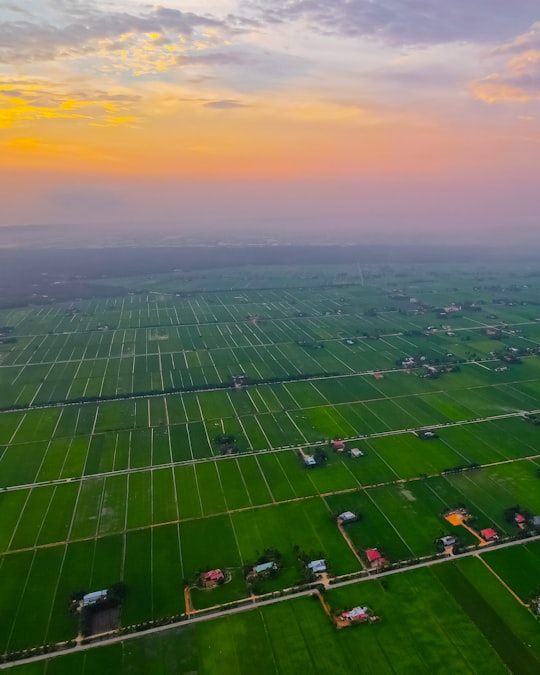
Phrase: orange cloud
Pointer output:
(493, 90)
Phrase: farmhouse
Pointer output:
(347, 517)
(264, 568)
(309, 460)
(448, 540)
(378, 376)
(355, 452)
(93, 598)
(536, 521)
(375, 559)
(357, 614)
(338, 445)
(212, 578)
(489, 534)
(519, 519)
(317, 566)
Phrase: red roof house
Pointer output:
(378, 376)
(519, 518)
(356, 614)
(489, 533)
(212, 577)
(373, 555)
(338, 445)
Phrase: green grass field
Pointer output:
(111, 467)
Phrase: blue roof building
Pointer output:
(92, 598)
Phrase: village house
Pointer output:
(447, 540)
(317, 566)
(375, 559)
(93, 598)
(355, 452)
(309, 460)
(357, 614)
(265, 568)
(347, 517)
(212, 578)
(338, 445)
(489, 534)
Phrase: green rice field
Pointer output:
(153, 436)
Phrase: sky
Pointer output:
(369, 120)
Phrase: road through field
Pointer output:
(223, 458)
(227, 611)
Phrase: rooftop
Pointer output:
(264, 567)
(488, 533)
(373, 554)
(92, 598)
(347, 515)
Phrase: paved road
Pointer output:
(213, 458)
(133, 396)
(262, 603)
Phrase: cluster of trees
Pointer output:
(226, 443)
(532, 418)
(171, 390)
(461, 467)
(307, 344)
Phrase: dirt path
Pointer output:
(325, 605)
(350, 544)
(187, 600)
(503, 582)
(458, 519)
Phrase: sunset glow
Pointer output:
(273, 98)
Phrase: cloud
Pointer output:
(517, 79)
(523, 42)
(225, 104)
(89, 32)
(8, 6)
(24, 101)
(405, 22)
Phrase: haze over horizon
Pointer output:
(404, 120)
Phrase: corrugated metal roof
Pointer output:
(92, 598)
